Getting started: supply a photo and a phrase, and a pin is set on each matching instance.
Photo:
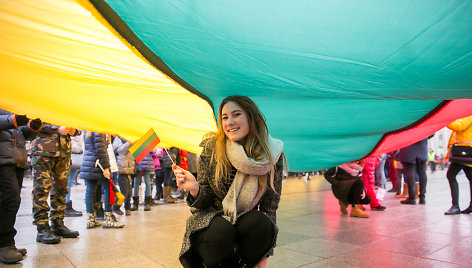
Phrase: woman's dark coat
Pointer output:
(95, 148)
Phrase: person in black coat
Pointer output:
(348, 187)
(14, 130)
(413, 160)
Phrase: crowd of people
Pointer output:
(233, 198)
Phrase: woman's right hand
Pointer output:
(186, 180)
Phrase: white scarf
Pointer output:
(243, 194)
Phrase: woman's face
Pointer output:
(234, 121)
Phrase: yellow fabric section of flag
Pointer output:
(144, 145)
(80, 75)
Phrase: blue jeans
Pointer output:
(91, 188)
(72, 175)
(147, 181)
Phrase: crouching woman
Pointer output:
(234, 201)
(348, 188)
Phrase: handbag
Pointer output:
(461, 155)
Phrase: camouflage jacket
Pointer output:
(50, 143)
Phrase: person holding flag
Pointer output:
(96, 149)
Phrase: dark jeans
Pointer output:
(354, 196)
(125, 188)
(169, 176)
(452, 172)
(160, 176)
(11, 179)
(409, 171)
(253, 234)
(91, 190)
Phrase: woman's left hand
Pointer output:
(363, 194)
(263, 263)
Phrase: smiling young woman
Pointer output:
(234, 201)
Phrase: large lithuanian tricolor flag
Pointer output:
(144, 145)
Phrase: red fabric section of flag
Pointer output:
(453, 110)
(112, 194)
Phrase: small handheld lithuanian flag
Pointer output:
(144, 145)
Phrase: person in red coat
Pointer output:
(368, 176)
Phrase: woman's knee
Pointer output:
(255, 223)
(215, 242)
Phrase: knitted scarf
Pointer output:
(244, 194)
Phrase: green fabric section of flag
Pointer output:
(144, 145)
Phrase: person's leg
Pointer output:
(255, 237)
(72, 175)
(90, 193)
(371, 193)
(59, 188)
(137, 183)
(399, 176)
(392, 173)
(215, 243)
(409, 171)
(468, 174)
(42, 182)
(106, 194)
(452, 172)
(147, 182)
(423, 179)
(125, 184)
(354, 198)
(9, 204)
(160, 175)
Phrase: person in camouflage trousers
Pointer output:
(50, 159)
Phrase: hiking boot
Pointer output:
(21, 250)
(58, 228)
(111, 222)
(46, 236)
(70, 211)
(357, 212)
(92, 221)
(10, 254)
(147, 203)
(135, 204)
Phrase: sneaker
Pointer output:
(117, 210)
(127, 212)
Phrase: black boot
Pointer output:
(453, 210)
(467, 210)
(58, 228)
(135, 204)
(100, 213)
(71, 212)
(46, 236)
(10, 254)
(147, 203)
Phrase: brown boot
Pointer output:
(404, 193)
(356, 211)
(343, 207)
(167, 196)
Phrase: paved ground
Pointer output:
(313, 233)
